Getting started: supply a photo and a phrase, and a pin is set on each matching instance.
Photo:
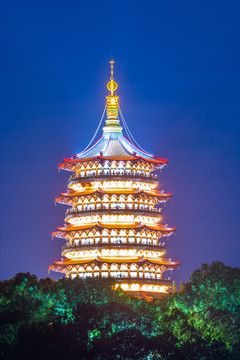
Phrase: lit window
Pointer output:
(121, 274)
(87, 275)
(104, 274)
(133, 274)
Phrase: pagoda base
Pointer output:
(148, 296)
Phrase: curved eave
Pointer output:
(170, 265)
(63, 231)
(63, 198)
(72, 161)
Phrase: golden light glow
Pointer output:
(112, 85)
(112, 219)
(143, 287)
(83, 220)
(128, 184)
(78, 187)
(113, 185)
(118, 218)
(113, 253)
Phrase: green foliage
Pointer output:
(87, 319)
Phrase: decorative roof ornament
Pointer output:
(113, 144)
(112, 122)
(112, 85)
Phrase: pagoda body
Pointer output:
(113, 226)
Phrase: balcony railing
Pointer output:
(135, 279)
(115, 174)
(106, 210)
(145, 280)
(101, 245)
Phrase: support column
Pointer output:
(128, 271)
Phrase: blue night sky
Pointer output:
(177, 67)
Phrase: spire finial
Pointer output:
(112, 62)
(112, 85)
(112, 122)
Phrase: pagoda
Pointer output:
(113, 226)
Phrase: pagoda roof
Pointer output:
(100, 191)
(113, 146)
(103, 259)
(169, 265)
(99, 226)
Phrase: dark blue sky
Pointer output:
(177, 66)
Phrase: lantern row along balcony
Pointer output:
(116, 244)
(114, 210)
(122, 277)
(167, 282)
(118, 175)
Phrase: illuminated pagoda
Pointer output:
(113, 226)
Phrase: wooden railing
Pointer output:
(116, 245)
(106, 210)
(111, 174)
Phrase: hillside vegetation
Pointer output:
(86, 319)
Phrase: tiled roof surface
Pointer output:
(115, 146)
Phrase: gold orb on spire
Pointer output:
(112, 85)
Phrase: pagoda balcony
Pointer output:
(152, 281)
(114, 175)
(113, 211)
(120, 245)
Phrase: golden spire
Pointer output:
(112, 85)
(112, 62)
(112, 122)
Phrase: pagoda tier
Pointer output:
(121, 198)
(133, 274)
(149, 233)
(113, 228)
(74, 163)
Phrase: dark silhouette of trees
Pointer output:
(87, 319)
